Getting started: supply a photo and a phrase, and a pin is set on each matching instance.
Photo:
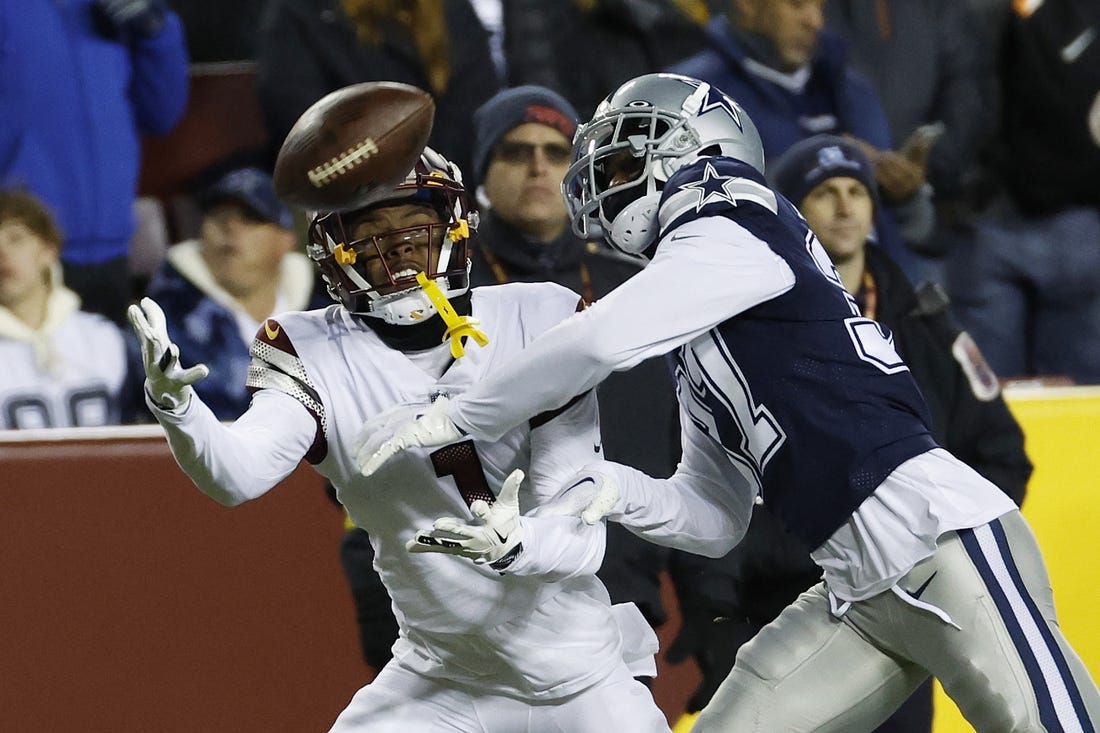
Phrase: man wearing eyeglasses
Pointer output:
(522, 149)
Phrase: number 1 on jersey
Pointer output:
(461, 462)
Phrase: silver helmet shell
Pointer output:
(435, 181)
(639, 136)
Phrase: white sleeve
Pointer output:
(703, 508)
(559, 548)
(234, 462)
(562, 442)
(704, 273)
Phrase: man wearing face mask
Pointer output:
(729, 600)
(790, 397)
(516, 640)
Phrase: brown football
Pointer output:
(352, 143)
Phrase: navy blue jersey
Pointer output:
(801, 390)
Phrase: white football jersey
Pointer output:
(70, 377)
(459, 620)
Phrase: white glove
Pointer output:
(166, 382)
(498, 540)
(433, 427)
(590, 495)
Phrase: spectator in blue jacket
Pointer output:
(218, 290)
(794, 79)
(82, 81)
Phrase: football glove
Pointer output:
(590, 495)
(143, 17)
(433, 427)
(496, 541)
(167, 383)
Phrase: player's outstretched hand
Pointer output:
(433, 427)
(497, 540)
(590, 495)
(167, 383)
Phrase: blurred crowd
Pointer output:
(973, 127)
(981, 120)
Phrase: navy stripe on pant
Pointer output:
(1061, 708)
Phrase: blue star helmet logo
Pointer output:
(716, 100)
(712, 188)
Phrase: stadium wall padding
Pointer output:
(131, 602)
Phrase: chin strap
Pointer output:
(457, 326)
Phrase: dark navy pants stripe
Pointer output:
(1055, 651)
(1047, 713)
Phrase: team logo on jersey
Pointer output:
(712, 188)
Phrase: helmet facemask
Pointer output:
(639, 137)
(375, 275)
(627, 157)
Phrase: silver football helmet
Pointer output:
(645, 131)
(400, 300)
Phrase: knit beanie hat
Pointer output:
(513, 107)
(809, 162)
(252, 188)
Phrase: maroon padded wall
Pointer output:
(131, 602)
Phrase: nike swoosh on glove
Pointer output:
(433, 427)
(167, 383)
(497, 540)
(590, 495)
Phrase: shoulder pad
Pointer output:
(714, 186)
(272, 334)
(276, 365)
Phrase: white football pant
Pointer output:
(401, 701)
(980, 617)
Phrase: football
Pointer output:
(352, 144)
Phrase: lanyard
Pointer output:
(868, 295)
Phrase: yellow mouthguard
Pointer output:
(457, 326)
